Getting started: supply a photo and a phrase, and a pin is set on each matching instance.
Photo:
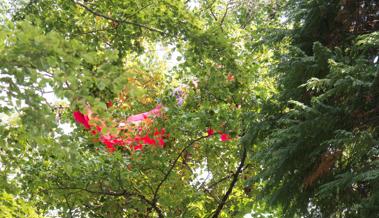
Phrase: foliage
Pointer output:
(323, 138)
(265, 107)
(11, 207)
(90, 53)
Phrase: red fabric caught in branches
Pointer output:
(137, 124)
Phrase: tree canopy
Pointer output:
(173, 108)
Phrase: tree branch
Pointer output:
(208, 6)
(213, 15)
(232, 184)
(117, 20)
(119, 194)
(155, 198)
(220, 181)
(225, 13)
(94, 31)
(141, 9)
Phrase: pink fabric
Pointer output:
(140, 117)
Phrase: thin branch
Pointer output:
(117, 20)
(47, 74)
(214, 184)
(110, 193)
(208, 6)
(201, 186)
(47, 92)
(118, 194)
(184, 162)
(232, 184)
(68, 205)
(94, 31)
(141, 9)
(147, 184)
(31, 2)
(155, 198)
(153, 205)
(220, 181)
(213, 14)
(96, 13)
(225, 13)
(67, 85)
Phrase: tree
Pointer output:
(321, 142)
(261, 107)
(91, 53)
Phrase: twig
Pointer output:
(141, 9)
(153, 205)
(213, 15)
(208, 6)
(68, 205)
(117, 20)
(220, 181)
(223, 17)
(95, 31)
